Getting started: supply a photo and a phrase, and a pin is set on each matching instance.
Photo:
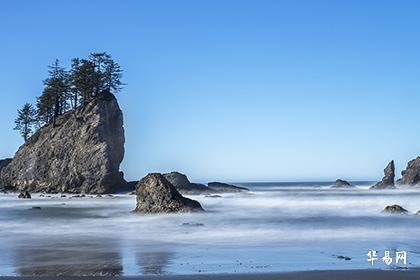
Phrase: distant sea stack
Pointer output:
(387, 181)
(411, 175)
(339, 183)
(223, 187)
(183, 185)
(80, 154)
(155, 194)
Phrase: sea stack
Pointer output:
(183, 185)
(155, 194)
(411, 175)
(387, 181)
(80, 154)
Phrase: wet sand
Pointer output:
(307, 275)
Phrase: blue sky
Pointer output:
(235, 90)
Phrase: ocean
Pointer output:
(276, 227)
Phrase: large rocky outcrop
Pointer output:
(81, 154)
(339, 184)
(411, 175)
(183, 185)
(155, 194)
(387, 181)
(223, 187)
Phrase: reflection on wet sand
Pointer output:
(154, 262)
(68, 258)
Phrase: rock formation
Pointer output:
(388, 180)
(155, 194)
(395, 209)
(81, 154)
(183, 185)
(222, 187)
(341, 184)
(411, 175)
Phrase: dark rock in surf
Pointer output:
(223, 187)
(343, 258)
(24, 195)
(342, 184)
(411, 175)
(155, 194)
(193, 224)
(80, 154)
(395, 209)
(388, 179)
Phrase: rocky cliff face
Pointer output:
(81, 154)
(387, 181)
(4, 163)
(411, 175)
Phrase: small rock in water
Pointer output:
(395, 209)
(344, 258)
(24, 195)
(339, 183)
(35, 208)
(99, 195)
(193, 224)
(63, 195)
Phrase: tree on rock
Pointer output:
(54, 99)
(83, 80)
(25, 120)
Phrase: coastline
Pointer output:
(365, 274)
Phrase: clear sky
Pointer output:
(235, 90)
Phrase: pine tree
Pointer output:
(56, 94)
(25, 120)
(112, 76)
(83, 80)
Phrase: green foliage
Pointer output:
(54, 99)
(65, 90)
(25, 120)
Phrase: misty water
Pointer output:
(274, 228)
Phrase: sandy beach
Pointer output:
(308, 275)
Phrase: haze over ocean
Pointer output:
(235, 90)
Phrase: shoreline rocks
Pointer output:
(24, 195)
(387, 181)
(155, 194)
(81, 154)
(339, 183)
